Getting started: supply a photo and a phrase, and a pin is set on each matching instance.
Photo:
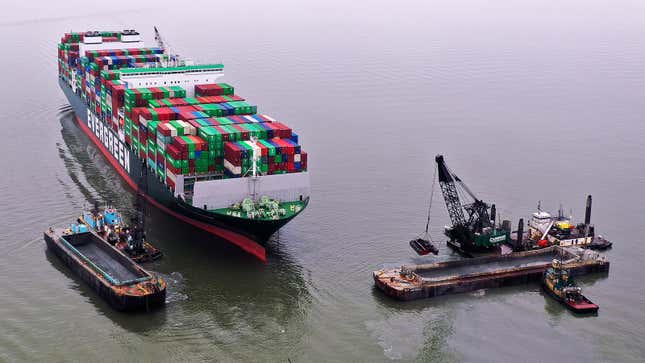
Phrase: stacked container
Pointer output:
(173, 134)
(216, 89)
(276, 156)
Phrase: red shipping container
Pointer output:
(232, 153)
(173, 151)
(180, 144)
(264, 151)
(245, 133)
(178, 101)
(165, 114)
(208, 90)
(284, 131)
(156, 92)
(169, 182)
(225, 134)
(213, 121)
(144, 113)
(164, 129)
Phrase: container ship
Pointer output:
(184, 141)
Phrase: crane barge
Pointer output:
(473, 223)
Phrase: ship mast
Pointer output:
(254, 167)
(166, 49)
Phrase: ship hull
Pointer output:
(247, 234)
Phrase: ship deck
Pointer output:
(451, 277)
(437, 274)
(106, 262)
(103, 258)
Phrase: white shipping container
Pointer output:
(173, 130)
(188, 128)
(269, 118)
(170, 175)
(237, 170)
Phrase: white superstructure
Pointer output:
(94, 41)
(173, 77)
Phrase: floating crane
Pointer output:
(473, 224)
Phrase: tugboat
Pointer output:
(560, 285)
(109, 224)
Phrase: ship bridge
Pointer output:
(186, 76)
(94, 40)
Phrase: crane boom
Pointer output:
(472, 227)
(159, 40)
(449, 191)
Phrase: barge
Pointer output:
(459, 276)
(122, 283)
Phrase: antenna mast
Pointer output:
(255, 173)
(163, 45)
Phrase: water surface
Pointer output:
(527, 100)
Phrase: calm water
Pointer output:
(527, 102)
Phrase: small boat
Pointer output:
(109, 224)
(558, 283)
(599, 243)
(116, 278)
(422, 246)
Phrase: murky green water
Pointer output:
(527, 100)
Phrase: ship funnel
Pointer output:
(492, 215)
(506, 225)
(588, 211)
(520, 234)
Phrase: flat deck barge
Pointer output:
(121, 282)
(452, 277)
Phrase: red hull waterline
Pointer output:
(243, 242)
